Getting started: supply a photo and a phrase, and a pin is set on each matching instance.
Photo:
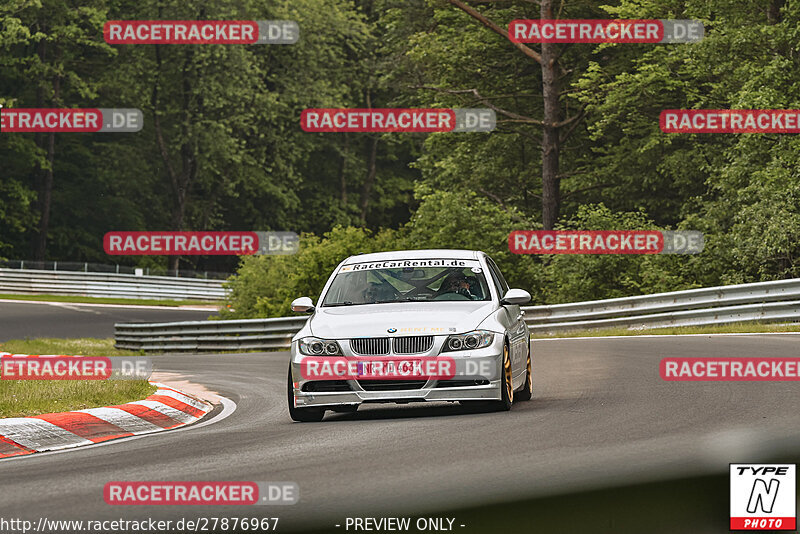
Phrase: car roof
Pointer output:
(449, 254)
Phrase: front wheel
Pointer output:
(526, 392)
(302, 415)
(506, 384)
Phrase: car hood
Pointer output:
(409, 318)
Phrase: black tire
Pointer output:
(526, 392)
(506, 384)
(302, 415)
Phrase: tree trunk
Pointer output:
(184, 178)
(343, 171)
(37, 174)
(370, 179)
(774, 11)
(550, 131)
(180, 180)
(371, 170)
(46, 190)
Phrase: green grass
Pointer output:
(103, 300)
(22, 398)
(87, 346)
(747, 327)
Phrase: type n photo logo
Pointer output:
(763, 497)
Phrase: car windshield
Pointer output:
(408, 281)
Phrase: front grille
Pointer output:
(320, 386)
(370, 346)
(391, 385)
(412, 344)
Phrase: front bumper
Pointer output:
(462, 387)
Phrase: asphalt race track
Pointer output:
(62, 319)
(601, 417)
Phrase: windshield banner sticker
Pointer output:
(403, 264)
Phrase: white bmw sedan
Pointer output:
(410, 326)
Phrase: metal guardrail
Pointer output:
(32, 282)
(106, 268)
(763, 301)
(198, 336)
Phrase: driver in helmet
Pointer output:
(456, 282)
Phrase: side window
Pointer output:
(497, 276)
(496, 281)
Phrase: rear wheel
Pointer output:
(303, 415)
(506, 385)
(526, 392)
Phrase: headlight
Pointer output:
(313, 346)
(469, 341)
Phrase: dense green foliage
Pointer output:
(266, 285)
(233, 155)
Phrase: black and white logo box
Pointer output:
(763, 497)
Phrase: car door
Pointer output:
(517, 331)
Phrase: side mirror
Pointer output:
(516, 296)
(304, 305)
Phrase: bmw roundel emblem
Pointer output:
(392, 330)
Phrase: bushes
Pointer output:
(465, 220)
(573, 277)
(266, 285)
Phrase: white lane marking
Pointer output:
(129, 306)
(650, 336)
(169, 411)
(73, 308)
(39, 435)
(126, 421)
(228, 407)
(184, 399)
